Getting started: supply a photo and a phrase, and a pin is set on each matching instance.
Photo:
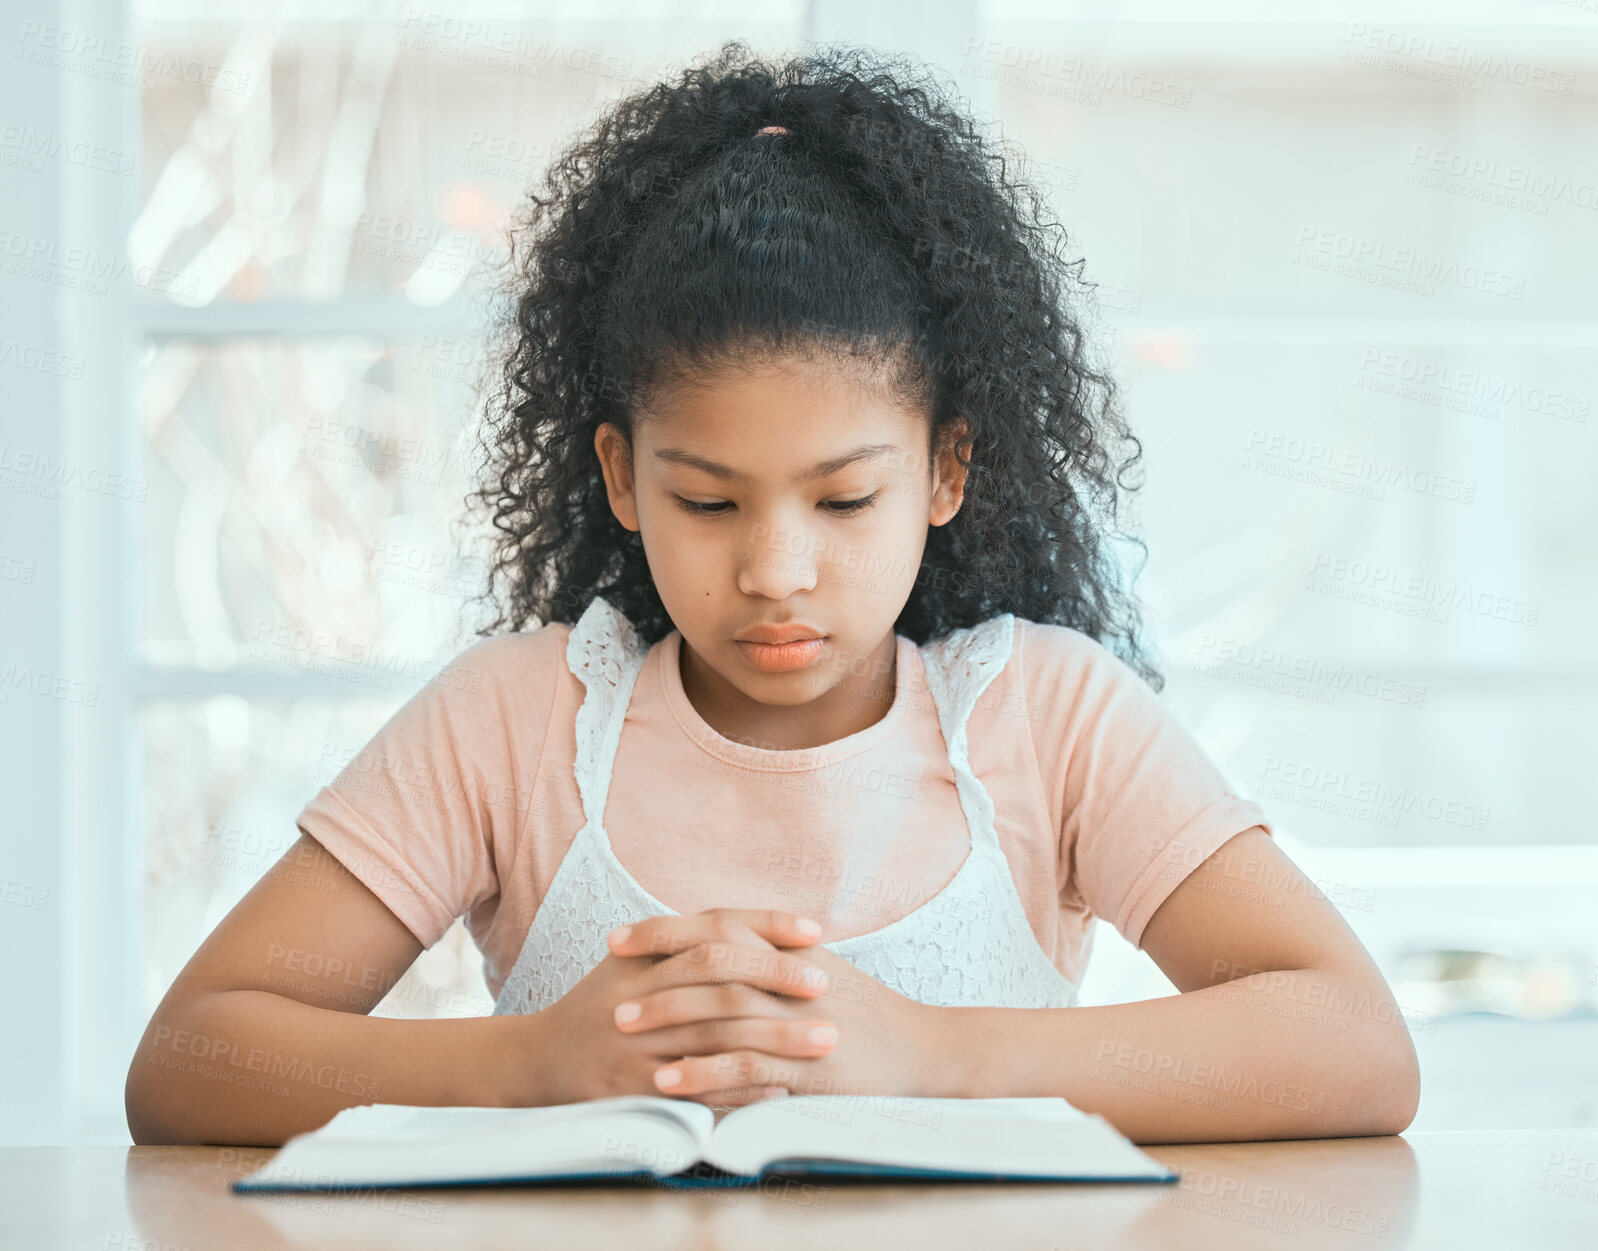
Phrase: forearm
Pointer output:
(249, 1067)
(1291, 1054)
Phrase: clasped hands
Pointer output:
(729, 1006)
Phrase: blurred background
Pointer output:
(1345, 257)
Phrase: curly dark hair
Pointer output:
(672, 236)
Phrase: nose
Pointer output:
(778, 561)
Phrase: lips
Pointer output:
(782, 657)
(791, 633)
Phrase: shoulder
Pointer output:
(526, 666)
(1041, 673)
(1064, 652)
(1029, 644)
(1067, 675)
(545, 658)
(508, 651)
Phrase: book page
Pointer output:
(392, 1144)
(1015, 1136)
(381, 1122)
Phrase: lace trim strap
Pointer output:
(959, 667)
(605, 653)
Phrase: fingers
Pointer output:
(682, 1005)
(739, 1098)
(666, 935)
(696, 1020)
(711, 963)
(778, 1036)
(699, 1075)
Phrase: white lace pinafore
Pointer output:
(969, 945)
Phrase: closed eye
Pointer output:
(842, 508)
(701, 509)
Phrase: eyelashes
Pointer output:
(845, 508)
(839, 508)
(700, 510)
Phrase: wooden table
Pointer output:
(1499, 1190)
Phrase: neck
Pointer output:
(852, 705)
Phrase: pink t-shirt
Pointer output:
(465, 801)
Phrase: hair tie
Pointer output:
(773, 130)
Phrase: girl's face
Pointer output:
(790, 493)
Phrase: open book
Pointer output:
(677, 1141)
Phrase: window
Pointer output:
(1341, 281)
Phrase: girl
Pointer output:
(834, 731)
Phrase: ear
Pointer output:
(948, 474)
(616, 463)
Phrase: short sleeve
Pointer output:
(1142, 805)
(425, 810)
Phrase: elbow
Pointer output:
(1407, 1097)
(134, 1106)
(148, 1100)
(1393, 1085)
(140, 1103)
(158, 1097)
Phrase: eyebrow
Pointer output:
(866, 451)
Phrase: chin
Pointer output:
(791, 696)
(798, 686)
